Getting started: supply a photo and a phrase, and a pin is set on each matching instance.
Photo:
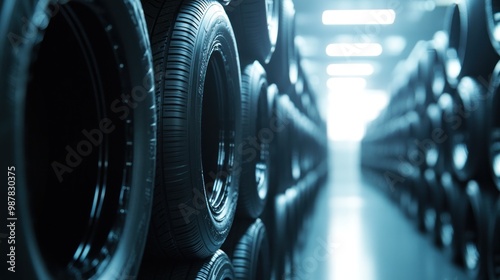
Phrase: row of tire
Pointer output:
(434, 149)
(134, 128)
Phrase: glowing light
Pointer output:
(394, 44)
(348, 113)
(346, 84)
(460, 155)
(496, 165)
(348, 69)
(354, 49)
(353, 17)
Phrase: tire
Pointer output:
(474, 243)
(438, 72)
(248, 248)
(492, 24)
(278, 236)
(494, 243)
(283, 67)
(428, 205)
(436, 140)
(95, 167)
(493, 120)
(468, 140)
(469, 49)
(280, 170)
(443, 227)
(423, 86)
(257, 137)
(198, 92)
(283, 144)
(455, 226)
(445, 103)
(292, 229)
(217, 266)
(256, 24)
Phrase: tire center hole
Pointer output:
(217, 135)
(75, 178)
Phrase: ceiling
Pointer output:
(415, 20)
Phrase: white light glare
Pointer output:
(346, 84)
(357, 49)
(348, 113)
(350, 69)
(345, 17)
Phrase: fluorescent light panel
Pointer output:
(353, 17)
(350, 69)
(356, 49)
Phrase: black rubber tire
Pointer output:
(494, 243)
(441, 235)
(280, 171)
(278, 237)
(493, 120)
(423, 86)
(457, 199)
(492, 8)
(448, 126)
(428, 206)
(470, 52)
(255, 24)
(257, 137)
(248, 248)
(282, 69)
(474, 243)
(198, 92)
(438, 72)
(217, 266)
(436, 141)
(283, 145)
(469, 144)
(292, 229)
(80, 137)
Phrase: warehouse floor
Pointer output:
(358, 233)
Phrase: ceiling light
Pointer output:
(344, 17)
(350, 69)
(356, 49)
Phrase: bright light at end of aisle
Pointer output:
(350, 112)
(349, 84)
(353, 17)
(349, 69)
(354, 49)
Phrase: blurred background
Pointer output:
(399, 202)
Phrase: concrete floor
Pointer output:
(357, 233)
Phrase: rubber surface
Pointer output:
(197, 75)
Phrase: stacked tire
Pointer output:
(450, 162)
(77, 137)
(156, 139)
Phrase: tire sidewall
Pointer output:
(214, 28)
